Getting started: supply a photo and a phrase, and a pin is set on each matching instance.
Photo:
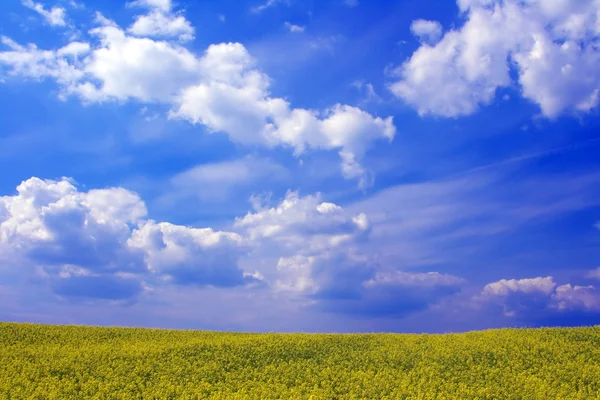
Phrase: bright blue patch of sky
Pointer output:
(502, 193)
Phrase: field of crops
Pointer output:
(69, 362)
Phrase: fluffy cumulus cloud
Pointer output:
(304, 224)
(189, 256)
(221, 89)
(157, 24)
(233, 97)
(160, 21)
(132, 68)
(99, 243)
(324, 278)
(310, 241)
(319, 259)
(552, 47)
(541, 301)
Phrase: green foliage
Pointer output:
(70, 362)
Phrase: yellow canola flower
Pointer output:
(71, 362)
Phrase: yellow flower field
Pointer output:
(71, 362)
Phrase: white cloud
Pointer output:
(310, 241)
(325, 43)
(64, 64)
(370, 96)
(505, 287)
(134, 68)
(324, 278)
(569, 297)
(100, 245)
(222, 89)
(304, 224)
(315, 246)
(101, 240)
(394, 293)
(294, 28)
(235, 99)
(104, 235)
(594, 274)
(550, 44)
(162, 5)
(160, 21)
(74, 240)
(189, 256)
(220, 180)
(426, 31)
(268, 4)
(121, 64)
(243, 170)
(296, 275)
(454, 221)
(55, 16)
(158, 24)
(540, 298)
(74, 49)
(351, 3)
(77, 5)
(402, 278)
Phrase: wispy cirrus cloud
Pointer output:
(294, 28)
(221, 180)
(268, 4)
(452, 221)
(56, 16)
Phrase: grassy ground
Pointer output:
(68, 362)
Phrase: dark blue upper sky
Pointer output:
(336, 165)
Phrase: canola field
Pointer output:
(71, 362)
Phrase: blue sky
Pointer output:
(295, 165)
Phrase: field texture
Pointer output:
(68, 362)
